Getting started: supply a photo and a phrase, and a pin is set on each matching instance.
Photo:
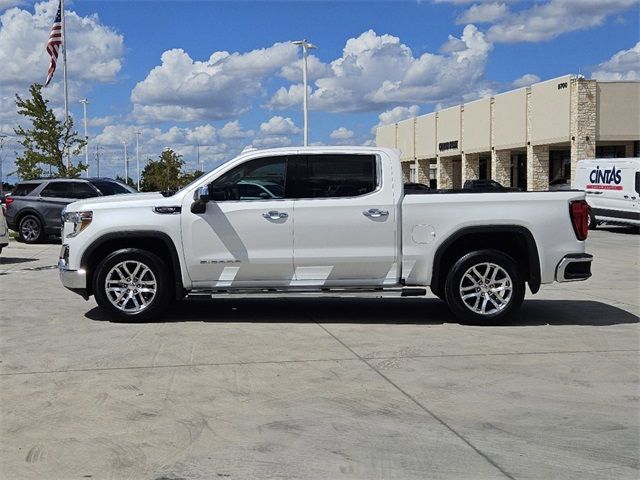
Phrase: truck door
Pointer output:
(345, 221)
(245, 236)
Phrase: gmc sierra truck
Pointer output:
(323, 220)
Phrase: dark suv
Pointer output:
(34, 207)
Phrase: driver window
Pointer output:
(260, 179)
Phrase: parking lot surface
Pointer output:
(321, 388)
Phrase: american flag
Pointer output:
(53, 45)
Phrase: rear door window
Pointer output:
(58, 190)
(335, 175)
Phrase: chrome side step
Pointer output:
(310, 293)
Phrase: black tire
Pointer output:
(592, 221)
(491, 301)
(135, 289)
(30, 229)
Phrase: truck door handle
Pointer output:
(626, 196)
(375, 213)
(275, 215)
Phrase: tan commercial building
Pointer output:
(524, 138)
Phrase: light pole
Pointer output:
(126, 163)
(138, 132)
(84, 103)
(306, 46)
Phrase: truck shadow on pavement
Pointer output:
(428, 311)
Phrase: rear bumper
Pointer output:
(574, 267)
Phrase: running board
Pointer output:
(310, 293)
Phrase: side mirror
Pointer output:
(202, 195)
(200, 199)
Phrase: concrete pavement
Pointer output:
(321, 388)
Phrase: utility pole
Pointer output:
(306, 46)
(84, 103)
(126, 163)
(200, 166)
(2, 139)
(98, 147)
(138, 132)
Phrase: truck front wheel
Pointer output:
(132, 284)
(484, 287)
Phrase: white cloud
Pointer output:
(279, 126)
(398, 114)
(394, 115)
(273, 141)
(315, 69)
(379, 71)
(101, 121)
(544, 21)
(624, 65)
(525, 80)
(344, 136)
(341, 133)
(223, 86)
(5, 4)
(483, 13)
(233, 130)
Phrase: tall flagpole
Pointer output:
(64, 71)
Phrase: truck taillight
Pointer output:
(579, 212)
(8, 201)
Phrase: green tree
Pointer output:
(46, 143)
(190, 177)
(166, 173)
(129, 181)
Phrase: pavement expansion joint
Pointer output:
(420, 405)
(178, 365)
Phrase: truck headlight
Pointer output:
(80, 220)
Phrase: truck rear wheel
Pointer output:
(484, 288)
(132, 284)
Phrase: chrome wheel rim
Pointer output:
(30, 229)
(486, 288)
(130, 286)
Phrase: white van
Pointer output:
(612, 186)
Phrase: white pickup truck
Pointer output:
(325, 220)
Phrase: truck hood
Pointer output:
(126, 200)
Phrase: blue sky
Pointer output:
(148, 65)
